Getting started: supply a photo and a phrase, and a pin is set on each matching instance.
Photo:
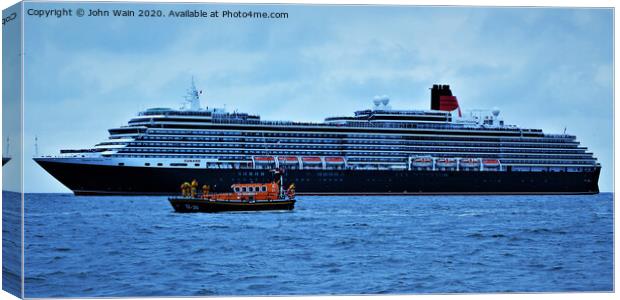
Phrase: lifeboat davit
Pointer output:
(334, 160)
(263, 159)
(423, 162)
(288, 159)
(470, 162)
(311, 160)
(445, 162)
(490, 163)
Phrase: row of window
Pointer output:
(222, 157)
(379, 123)
(250, 189)
(549, 138)
(342, 153)
(286, 145)
(551, 169)
(342, 141)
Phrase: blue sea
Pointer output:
(137, 246)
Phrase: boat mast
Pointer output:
(281, 181)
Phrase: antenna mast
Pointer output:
(193, 97)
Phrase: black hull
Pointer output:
(117, 180)
(190, 205)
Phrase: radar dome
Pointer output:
(376, 100)
(495, 111)
(385, 100)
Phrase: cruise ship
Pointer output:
(376, 151)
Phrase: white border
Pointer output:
(511, 3)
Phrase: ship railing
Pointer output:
(554, 135)
(365, 124)
(392, 166)
(395, 124)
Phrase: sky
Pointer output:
(547, 68)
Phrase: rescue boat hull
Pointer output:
(191, 205)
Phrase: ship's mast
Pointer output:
(193, 97)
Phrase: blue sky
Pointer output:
(543, 67)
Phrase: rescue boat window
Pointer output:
(243, 189)
(264, 188)
(237, 189)
(251, 189)
(121, 164)
(147, 164)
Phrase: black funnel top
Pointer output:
(436, 91)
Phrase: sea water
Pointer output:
(138, 246)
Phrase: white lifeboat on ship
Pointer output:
(490, 163)
(263, 159)
(469, 162)
(334, 160)
(445, 163)
(423, 162)
(288, 159)
(311, 160)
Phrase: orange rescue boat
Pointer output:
(244, 197)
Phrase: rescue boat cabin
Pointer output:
(273, 190)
